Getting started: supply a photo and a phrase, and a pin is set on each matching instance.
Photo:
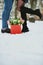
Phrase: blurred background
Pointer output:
(33, 5)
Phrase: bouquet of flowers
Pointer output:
(16, 21)
(16, 26)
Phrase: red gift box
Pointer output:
(15, 29)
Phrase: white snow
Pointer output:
(22, 49)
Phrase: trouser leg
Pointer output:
(6, 13)
(31, 11)
(23, 15)
(25, 10)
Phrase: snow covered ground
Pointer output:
(22, 49)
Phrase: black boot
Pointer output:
(7, 30)
(37, 12)
(25, 29)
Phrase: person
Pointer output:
(5, 15)
(21, 7)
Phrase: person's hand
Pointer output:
(21, 20)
